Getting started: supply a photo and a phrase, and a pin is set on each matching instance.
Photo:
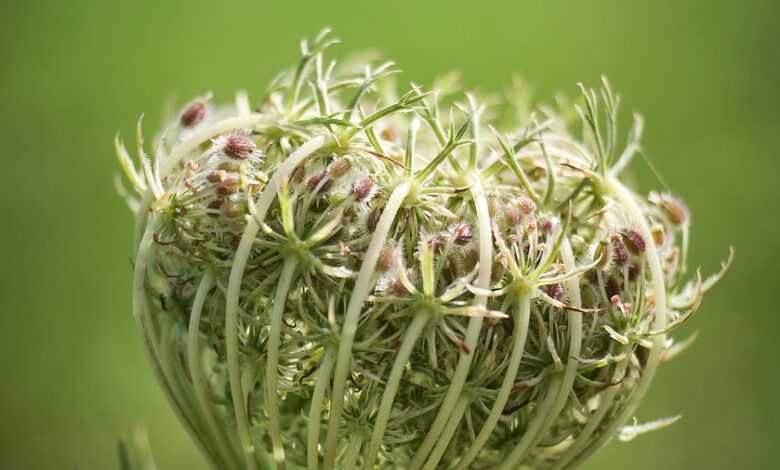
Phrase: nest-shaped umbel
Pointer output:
(344, 278)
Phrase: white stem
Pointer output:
(147, 330)
(513, 460)
(272, 366)
(234, 291)
(446, 436)
(549, 413)
(628, 200)
(605, 404)
(317, 398)
(360, 292)
(231, 342)
(353, 452)
(411, 335)
(170, 360)
(520, 334)
(196, 369)
(575, 341)
(473, 329)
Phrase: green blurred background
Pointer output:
(704, 73)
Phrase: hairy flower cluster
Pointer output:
(339, 276)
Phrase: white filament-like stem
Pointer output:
(513, 460)
(317, 397)
(272, 367)
(411, 335)
(575, 339)
(170, 361)
(627, 199)
(473, 329)
(605, 404)
(360, 292)
(446, 436)
(234, 290)
(353, 452)
(196, 369)
(521, 319)
(550, 410)
(147, 330)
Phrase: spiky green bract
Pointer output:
(340, 275)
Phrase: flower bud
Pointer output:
(228, 185)
(193, 114)
(363, 189)
(634, 242)
(239, 146)
(619, 251)
(461, 233)
(316, 179)
(555, 291)
(339, 167)
(216, 176)
(674, 209)
(386, 259)
(526, 205)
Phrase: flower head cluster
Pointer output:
(342, 276)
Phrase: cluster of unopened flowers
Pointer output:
(345, 277)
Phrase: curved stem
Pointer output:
(627, 199)
(272, 367)
(575, 341)
(360, 292)
(172, 367)
(411, 335)
(473, 329)
(317, 397)
(515, 457)
(446, 436)
(521, 319)
(605, 403)
(232, 347)
(147, 329)
(550, 410)
(234, 290)
(353, 452)
(196, 370)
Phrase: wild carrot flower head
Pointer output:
(340, 275)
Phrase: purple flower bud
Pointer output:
(555, 291)
(193, 114)
(634, 241)
(619, 251)
(363, 189)
(526, 205)
(314, 180)
(339, 167)
(239, 146)
(461, 233)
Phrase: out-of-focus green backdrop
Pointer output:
(704, 73)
